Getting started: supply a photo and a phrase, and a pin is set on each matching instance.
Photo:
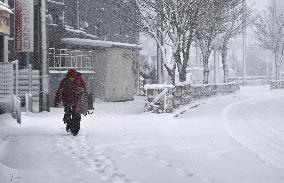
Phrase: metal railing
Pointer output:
(9, 89)
(64, 59)
(252, 80)
(277, 84)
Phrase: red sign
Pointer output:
(24, 26)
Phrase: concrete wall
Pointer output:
(121, 84)
(100, 73)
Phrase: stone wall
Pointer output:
(185, 94)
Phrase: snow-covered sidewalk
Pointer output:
(227, 139)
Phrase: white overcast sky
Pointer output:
(260, 4)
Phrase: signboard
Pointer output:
(24, 26)
(4, 23)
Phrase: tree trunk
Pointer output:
(224, 53)
(171, 74)
(225, 67)
(277, 72)
(206, 69)
(277, 66)
(182, 74)
(226, 73)
(181, 65)
(206, 74)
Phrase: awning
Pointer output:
(5, 7)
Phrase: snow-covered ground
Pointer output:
(228, 139)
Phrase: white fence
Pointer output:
(9, 99)
(252, 80)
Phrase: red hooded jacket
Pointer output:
(69, 91)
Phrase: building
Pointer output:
(97, 37)
(4, 30)
(100, 39)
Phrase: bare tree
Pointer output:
(172, 22)
(234, 25)
(155, 22)
(269, 31)
(183, 24)
(212, 23)
(209, 26)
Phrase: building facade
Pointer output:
(97, 37)
(4, 29)
(100, 39)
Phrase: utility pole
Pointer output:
(44, 93)
(77, 15)
(215, 66)
(244, 41)
(274, 54)
(6, 43)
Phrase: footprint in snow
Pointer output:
(184, 172)
(166, 163)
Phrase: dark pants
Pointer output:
(72, 119)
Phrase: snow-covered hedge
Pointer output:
(158, 101)
(185, 94)
(276, 84)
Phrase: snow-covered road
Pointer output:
(229, 139)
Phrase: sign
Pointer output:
(4, 23)
(24, 26)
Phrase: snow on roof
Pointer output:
(5, 7)
(74, 30)
(158, 86)
(98, 43)
(56, 2)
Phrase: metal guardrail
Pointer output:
(9, 88)
(276, 84)
(158, 97)
(252, 80)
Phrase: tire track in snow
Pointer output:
(254, 133)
